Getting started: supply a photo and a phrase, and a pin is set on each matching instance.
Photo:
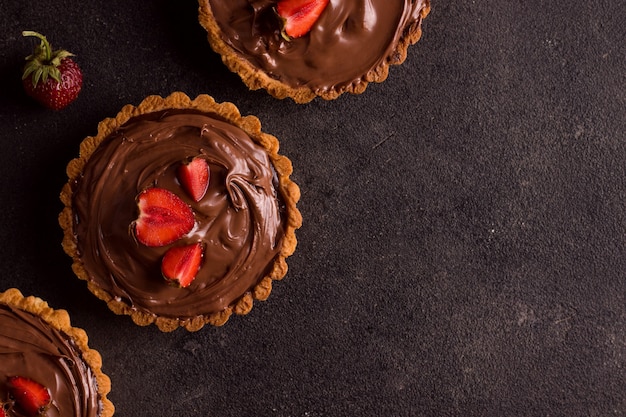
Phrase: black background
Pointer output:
(463, 246)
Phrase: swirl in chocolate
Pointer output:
(239, 221)
(350, 39)
(31, 348)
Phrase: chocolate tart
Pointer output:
(352, 44)
(39, 343)
(246, 222)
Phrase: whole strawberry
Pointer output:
(51, 77)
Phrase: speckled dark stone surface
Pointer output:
(464, 239)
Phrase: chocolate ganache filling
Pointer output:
(239, 221)
(31, 348)
(350, 39)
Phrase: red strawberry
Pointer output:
(2, 412)
(299, 16)
(181, 264)
(163, 217)
(30, 396)
(194, 177)
(51, 77)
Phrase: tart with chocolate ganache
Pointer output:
(46, 366)
(308, 48)
(180, 212)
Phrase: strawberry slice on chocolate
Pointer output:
(180, 264)
(30, 396)
(163, 217)
(299, 16)
(194, 177)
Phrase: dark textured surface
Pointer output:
(465, 224)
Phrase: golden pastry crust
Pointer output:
(257, 79)
(289, 190)
(60, 320)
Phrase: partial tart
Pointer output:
(156, 246)
(40, 348)
(352, 43)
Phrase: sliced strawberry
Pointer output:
(163, 217)
(181, 264)
(299, 16)
(194, 177)
(30, 396)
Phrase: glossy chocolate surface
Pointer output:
(351, 38)
(239, 221)
(31, 348)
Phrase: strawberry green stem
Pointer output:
(45, 45)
